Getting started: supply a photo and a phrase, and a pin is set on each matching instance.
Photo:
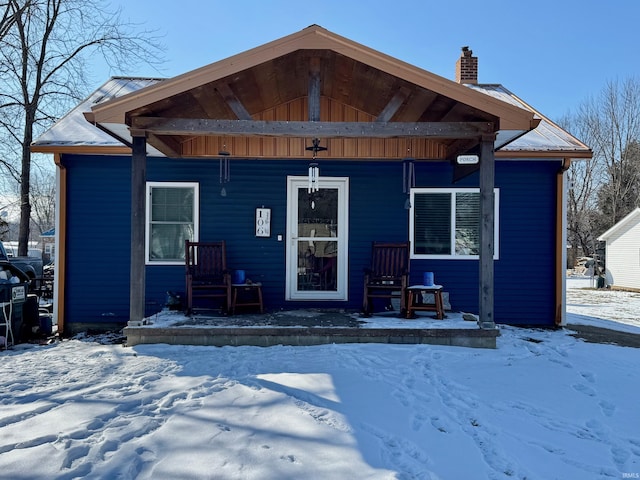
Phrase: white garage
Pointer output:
(623, 252)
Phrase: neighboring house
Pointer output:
(142, 166)
(622, 254)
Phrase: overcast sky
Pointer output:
(552, 53)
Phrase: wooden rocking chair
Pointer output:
(207, 276)
(388, 275)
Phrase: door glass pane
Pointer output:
(317, 249)
(318, 211)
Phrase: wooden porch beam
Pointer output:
(394, 105)
(205, 126)
(138, 194)
(233, 102)
(487, 240)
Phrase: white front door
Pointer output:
(317, 239)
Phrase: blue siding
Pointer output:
(98, 239)
(98, 236)
(524, 272)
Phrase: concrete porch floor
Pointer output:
(308, 327)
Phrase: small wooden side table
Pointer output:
(250, 296)
(414, 295)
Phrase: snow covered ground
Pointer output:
(544, 405)
(601, 307)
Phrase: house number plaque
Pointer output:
(263, 222)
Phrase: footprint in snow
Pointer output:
(418, 421)
(401, 397)
(620, 456)
(588, 376)
(607, 408)
(438, 424)
(584, 389)
(74, 454)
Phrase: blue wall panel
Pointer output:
(98, 239)
(99, 231)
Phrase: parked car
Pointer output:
(30, 265)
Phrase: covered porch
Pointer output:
(271, 102)
(398, 145)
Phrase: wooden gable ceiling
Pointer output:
(360, 103)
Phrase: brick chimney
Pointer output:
(467, 67)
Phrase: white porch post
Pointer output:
(137, 271)
(487, 241)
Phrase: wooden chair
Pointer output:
(206, 273)
(388, 275)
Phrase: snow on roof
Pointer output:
(74, 130)
(547, 136)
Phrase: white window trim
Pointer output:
(196, 217)
(453, 256)
(342, 293)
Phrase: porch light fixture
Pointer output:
(225, 174)
(408, 179)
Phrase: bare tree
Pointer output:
(43, 71)
(43, 200)
(613, 120)
(8, 17)
(585, 178)
(605, 188)
(4, 228)
(621, 192)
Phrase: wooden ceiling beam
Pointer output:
(460, 147)
(394, 105)
(314, 89)
(205, 126)
(234, 102)
(166, 145)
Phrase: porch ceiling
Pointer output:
(359, 102)
(282, 80)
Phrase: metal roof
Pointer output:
(73, 130)
(546, 137)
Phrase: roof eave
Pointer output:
(621, 224)
(314, 37)
(572, 154)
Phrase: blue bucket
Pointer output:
(238, 276)
(427, 279)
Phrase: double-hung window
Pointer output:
(171, 218)
(445, 223)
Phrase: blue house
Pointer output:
(471, 175)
